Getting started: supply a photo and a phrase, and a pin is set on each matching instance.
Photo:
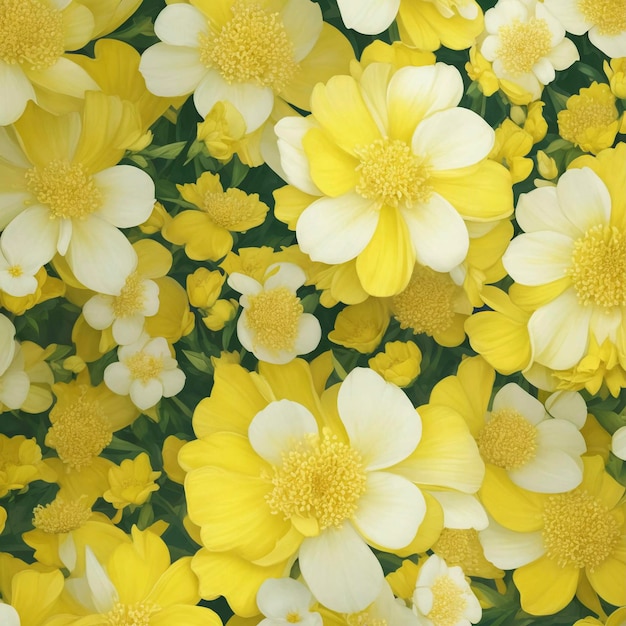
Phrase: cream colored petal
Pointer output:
(16, 92)
(369, 17)
(513, 397)
(171, 70)
(64, 77)
(550, 471)
(540, 209)
(568, 405)
(508, 549)
(303, 23)
(181, 25)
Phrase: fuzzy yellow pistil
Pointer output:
(364, 619)
(131, 297)
(448, 602)
(579, 530)
(320, 477)
(608, 16)
(390, 173)
(65, 188)
(144, 367)
(508, 440)
(252, 47)
(273, 317)
(460, 547)
(137, 614)
(522, 44)
(598, 269)
(31, 33)
(15, 271)
(229, 208)
(60, 516)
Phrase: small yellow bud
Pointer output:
(204, 287)
(220, 313)
(157, 220)
(399, 363)
(546, 166)
(74, 364)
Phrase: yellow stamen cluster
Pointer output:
(579, 530)
(448, 602)
(31, 33)
(230, 208)
(508, 440)
(608, 16)
(293, 617)
(15, 271)
(131, 297)
(522, 44)
(460, 547)
(79, 432)
(273, 317)
(65, 188)
(144, 367)
(60, 516)
(252, 47)
(320, 477)
(390, 173)
(427, 303)
(137, 614)
(598, 269)
(364, 619)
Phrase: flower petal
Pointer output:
(369, 17)
(550, 471)
(16, 92)
(171, 70)
(181, 25)
(512, 396)
(509, 549)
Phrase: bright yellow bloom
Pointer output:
(399, 363)
(361, 326)
(480, 70)
(21, 464)
(512, 145)
(132, 482)
(615, 71)
(222, 131)
(157, 220)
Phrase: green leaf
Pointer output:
(170, 151)
(200, 361)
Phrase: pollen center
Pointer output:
(448, 602)
(522, 44)
(508, 440)
(131, 297)
(390, 173)
(273, 317)
(320, 477)
(252, 47)
(137, 614)
(293, 617)
(364, 619)
(427, 303)
(65, 188)
(460, 547)
(79, 432)
(60, 516)
(608, 16)
(579, 530)
(31, 33)
(598, 269)
(144, 367)
(15, 271)
(229, 208)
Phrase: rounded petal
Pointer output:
(309, 334)
(287, 275)
(16, 92)
(563, 435)
(303, 23)
(540, 209)
(98, 312)
(118, 379)
(8, 615)
(173, 381)
(369, 17)
(461, 510)
(126, 330)
(171, 70)
(512, 396)
(568, 405)
(550, 471)
(180, 25)
(65, 77)
(146, 394)
(509, 549)
(278, 597)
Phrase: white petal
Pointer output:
(127, 195)
(584, 198)
(336, 230)
(568, 405)
(7, 343)
(390, 511)
(8, 615)
(303, 23)
(171, 70)
(11, 151)
(11, 203)
(277, 597)
(150, 298)
(14, 389)
(559, 331)
(309, 334)
(146, 395)
(244, 284)
(568, 13)
(508, 549)
(618, 443)
(539, 210)
(173, 381)
(544, 71)
(65, 77)
(181, 25)
(103, 592)
(504, 12)
(281, 424)
(380, 420)
(253, 102)
(16, 92)
(561, 434)
(98, 312)
(287, 275)
(564, 54)
(65, 235)
(340, 569)
(100, 255)
(438, 233)
(470, 142)
(613, 46)
(538, 258)
(461, 510)
(512, 396)
(490, 47)
(127, 330)
(369, 17)
(117, 378)
(551, 471)
(18, 286)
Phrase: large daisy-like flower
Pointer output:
(393, 184)
(62, 192)
(574, 252)
(241, 51)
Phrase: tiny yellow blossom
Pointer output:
(535, 123)
(3, 518)
(131, 482)
(399, 363)
(547, 166)
(220, 314)
(204, 287)
(479, 70)
(222, 130)
(616, 73)
(361, 326)
(20, 463)
(511, 147)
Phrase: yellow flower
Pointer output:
(479, 70)
(3, 518)
(252, 262)
(131, 482)
(399, 363)
(206, 233)
(615, 71)
(535, 123)
(222, 130)
(21, 464)
(157, 220)
(590, 119)
(512, 145)
(171, 448)
(361, 326)
(220, 314)
(204, 287)
(546, 166)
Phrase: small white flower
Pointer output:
(273, 324)
(286, 601)
(146, 371)
(17, 270)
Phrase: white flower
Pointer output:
(286, 601)
(146, 371)
(14, 382)
(604, 20)
(17, 270)
(526, 44)
(443, 596)
(618, 443)
(272, 324)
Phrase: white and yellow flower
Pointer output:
(286, 601)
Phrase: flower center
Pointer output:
(15, 271)
(273, 317)
(137, 614)
(522, 44)
(252, 47)
(608, 16)
(79, 432)
(60, 516)
(320, 477)
(144, 367)
(65, 188)
(508, 440)
(31, 33)
(229, 208)
(364, 619)
(448, 602)
(598, 268)
(427, 303)
(390, 173)
(293, 617)
(131, 298)
(460, 547)
(579, 530)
